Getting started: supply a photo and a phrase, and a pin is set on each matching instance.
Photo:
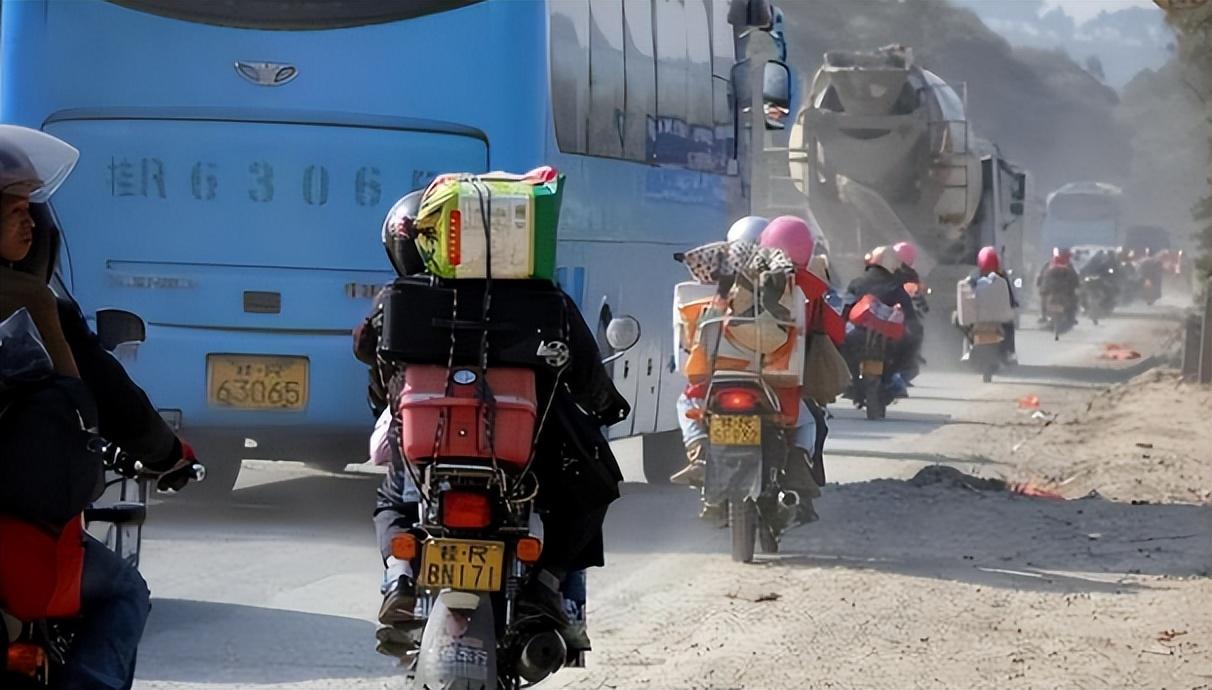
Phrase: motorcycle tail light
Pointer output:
(466, 510)
(736, 400)
(529, 549)
(404, 547)
(26, 659)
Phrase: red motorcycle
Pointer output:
(41, 568)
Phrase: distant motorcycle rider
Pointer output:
(989, 262)
(880, 280)
(1059, 281)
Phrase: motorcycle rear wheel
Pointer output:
(743, 520)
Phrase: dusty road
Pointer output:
(899, 585)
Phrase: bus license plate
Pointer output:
(256, 382)
(736, 430)
(470, 566)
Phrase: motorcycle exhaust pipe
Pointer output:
(542, 655)
(789, 498)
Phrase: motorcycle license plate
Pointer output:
(986, 338)
(1056, 308)
(256, 382)
(736, 430)
(470, 566)
(871, 367)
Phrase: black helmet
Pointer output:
(399, 235)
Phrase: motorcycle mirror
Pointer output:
(116, 327)
(623, 333)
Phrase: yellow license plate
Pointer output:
(871, 367)
(736, 430)
(256, 382)
(986, 338)
(471, 566)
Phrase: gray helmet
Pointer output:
(33, 164)
(747, 229)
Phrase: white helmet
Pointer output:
(747, 229)
(33, 163)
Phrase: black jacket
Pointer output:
(886, 287)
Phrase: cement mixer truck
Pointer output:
(885, 152)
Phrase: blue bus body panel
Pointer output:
(174, 213)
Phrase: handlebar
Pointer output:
(119, 461)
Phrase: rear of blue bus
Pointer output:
(235, 170)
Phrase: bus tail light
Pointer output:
(454, 250)
(465, 510)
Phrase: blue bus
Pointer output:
(1083, 213)
(237, 160)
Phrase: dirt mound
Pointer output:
(1147, 440)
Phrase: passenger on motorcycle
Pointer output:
(573, 516)
(879, 279)
(694, 430)
(1059, 281)
(793, 237)
(907, 253)
(988, 261)
(114, 598)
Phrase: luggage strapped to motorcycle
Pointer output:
(484, 391)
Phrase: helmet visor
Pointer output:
(33, 164)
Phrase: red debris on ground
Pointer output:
(1028, 402)
(1118, 352)
(1034, 491)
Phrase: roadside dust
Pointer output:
(948, 579)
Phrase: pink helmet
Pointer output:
(793, 236)
(907, 252)
(987, 260)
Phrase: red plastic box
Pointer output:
(426, 402)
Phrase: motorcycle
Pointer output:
(479, 535)
(750, 426)
(40, 586)
(1097, 295)
(1059, 313)
(872, 331)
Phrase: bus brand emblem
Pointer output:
(266, 73)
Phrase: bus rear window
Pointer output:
(292, 14)
(1082, 208)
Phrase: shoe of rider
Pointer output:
(540, 597)
(695, 471)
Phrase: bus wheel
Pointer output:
(664, 454)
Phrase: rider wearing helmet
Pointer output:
(1059, 281)
(989, 262)
(114, 599)
(907, 253)
(747, 229)
(581, 407)
(879, 279)
(793, 237)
